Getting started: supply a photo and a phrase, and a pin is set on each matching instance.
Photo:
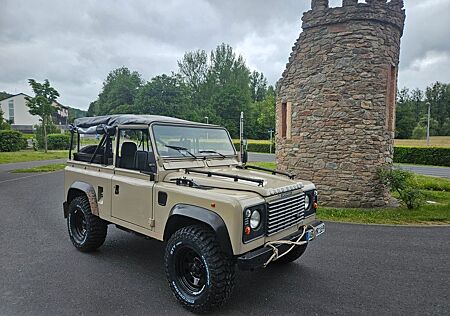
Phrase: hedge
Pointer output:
(434, 156)
(58, 142)
(256, 147)
(12, 141)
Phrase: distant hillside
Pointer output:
(4, 95)
(76, 113)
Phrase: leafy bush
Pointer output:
(419, 132)
(12, 141)
(435, 156)
(259, 147)
(58, 141)
(51, 129)
(402, 182)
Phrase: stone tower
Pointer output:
(336, 100)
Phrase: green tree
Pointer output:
(258, 86)
(4, 95)
(164, 95)
(264, 113)
(228, 85)
(407, 117)
(419, 132)
(43, 103)
(3, 123)
(120, 88)
(76, 113)
(438, 95)
(193, 69)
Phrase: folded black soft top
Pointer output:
(89, 124)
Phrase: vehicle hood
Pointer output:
(273, 184)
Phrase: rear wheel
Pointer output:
(293, 255)
(200, 275)
(86, 231)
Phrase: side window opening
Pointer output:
(390, 98)
(88, 149)
(286, 120)
(134, 151)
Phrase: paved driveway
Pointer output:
(352, 270)
(425, 170)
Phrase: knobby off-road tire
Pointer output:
(87, 231)
(293, 255)
(200, 275)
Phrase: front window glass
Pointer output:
(189, 141)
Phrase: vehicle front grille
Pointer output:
(285, 212)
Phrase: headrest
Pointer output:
(128, 149)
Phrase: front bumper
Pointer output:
(257, 258)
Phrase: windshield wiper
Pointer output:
(179, 148)
(212, 152)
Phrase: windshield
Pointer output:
(189, 141)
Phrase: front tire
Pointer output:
(86, 231)
(200, 275)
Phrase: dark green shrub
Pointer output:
(404, 183)
(12, 141)
(51, 129)
(434, 156)
(58, 142)
(256, 147)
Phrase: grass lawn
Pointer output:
(434, 189)
(436, 141)
(30, 155)
(46, 168)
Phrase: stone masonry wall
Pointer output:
(339, 87)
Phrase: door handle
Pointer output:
(116, 189)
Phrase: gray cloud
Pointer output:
(76, 43)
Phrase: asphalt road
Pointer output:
(425, 170)
(352, 269)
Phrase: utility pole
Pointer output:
(271, 135)
(428, 124)
(241, 135)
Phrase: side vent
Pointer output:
(162, 198)
(100, 195)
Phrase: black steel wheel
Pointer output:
(190, 271)
(86, 231)
(78, 226)
(200, 275)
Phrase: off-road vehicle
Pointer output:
(183, 183)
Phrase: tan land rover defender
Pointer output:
(182, 182)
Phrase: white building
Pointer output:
(17, 113)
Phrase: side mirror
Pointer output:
(244, 154)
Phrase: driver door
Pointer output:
(132, 190)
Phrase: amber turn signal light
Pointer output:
(315, 205)
(247, 230)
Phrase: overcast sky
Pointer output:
(76, 43)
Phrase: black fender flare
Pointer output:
(184, 214)
(77, 188)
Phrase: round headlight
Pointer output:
(307, 201)
(255, 219)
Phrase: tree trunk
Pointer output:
(44, 123)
